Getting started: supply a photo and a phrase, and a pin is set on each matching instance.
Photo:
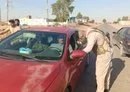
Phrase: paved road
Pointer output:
(121, 73)
(120, 77)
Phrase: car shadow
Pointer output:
(87, 82)
(117, 66)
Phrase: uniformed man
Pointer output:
(100, 44)
(12, 27)
(17, 24)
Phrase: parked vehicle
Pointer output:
(80, 23)
(32, 60)
(122, 40)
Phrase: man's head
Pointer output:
(60, 40)
(12, 23)
(17, 22)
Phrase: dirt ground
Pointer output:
(120, 80)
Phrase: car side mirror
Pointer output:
(114, 32)
(78, 54)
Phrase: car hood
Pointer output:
(22, 76)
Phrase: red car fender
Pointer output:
(61, 81)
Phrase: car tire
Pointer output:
(122, 51)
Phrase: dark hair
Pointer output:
(12, 21)
(18, 22)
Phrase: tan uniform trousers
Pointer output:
(103, 71)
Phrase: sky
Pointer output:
(95, 9)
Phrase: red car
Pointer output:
(39, 59)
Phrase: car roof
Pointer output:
(65, 30)
(125, 27)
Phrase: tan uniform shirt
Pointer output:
(92, 38)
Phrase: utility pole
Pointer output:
(7, 4)
(0, 13)
(47, 11)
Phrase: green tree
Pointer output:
(114, 22)
(79, 16)
(125, 18)
(86, 18)
(93, 21)
(104, 20)
(118, 20)
(62, 9)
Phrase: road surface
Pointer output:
(120, 77)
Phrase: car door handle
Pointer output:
(121, 42)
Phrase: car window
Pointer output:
(70, 48)
(128, 31)
(73, 44)
(76, 35)
(41, 45)
(128, 34)
(121, 32)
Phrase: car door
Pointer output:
(80, 63)
(77, 65)
(120, 36)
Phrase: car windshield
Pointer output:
(38, 45)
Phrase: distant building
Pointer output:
(74, 19)
(124, 22)
(30, 21)
(38, 21)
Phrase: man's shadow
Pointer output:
(88, 80)
(117, 66)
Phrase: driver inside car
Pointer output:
(58, 45)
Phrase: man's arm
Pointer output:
(91, 40)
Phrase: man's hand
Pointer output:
(79, 42)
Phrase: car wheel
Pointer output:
(121, 51)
